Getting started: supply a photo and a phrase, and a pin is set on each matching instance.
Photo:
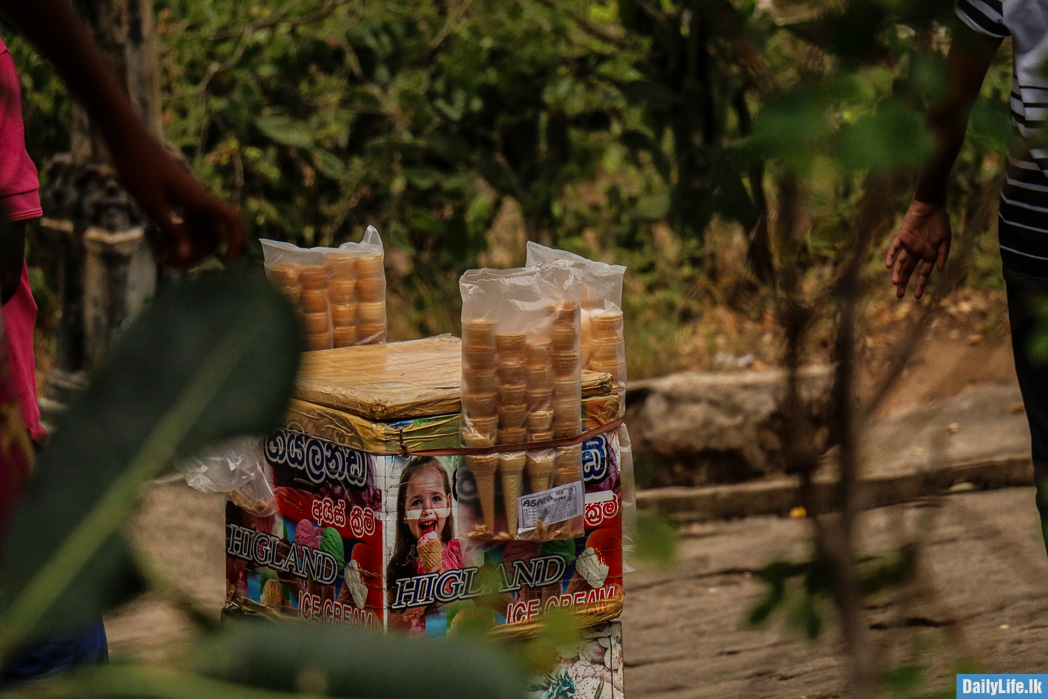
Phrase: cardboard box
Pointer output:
(342, 548)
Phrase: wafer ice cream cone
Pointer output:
(430, 551)
(511, 468)
(568, 464)
(540, 468)
(483, 469)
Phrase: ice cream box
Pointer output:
(589, 669)
(343, 546)
(582, 575)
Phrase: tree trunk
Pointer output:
(105, 282)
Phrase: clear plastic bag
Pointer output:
(600, 290)
(237, 468)
(340, 292)
(522, 384)
(604, 350)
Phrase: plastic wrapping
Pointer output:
(237, 468)
(628, 486)
(603, 350)
(600, 291)
(521, 384)
(340, 292)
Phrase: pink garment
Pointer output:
(451, 559)
(20, 196)
(19, 316)
(19, 182)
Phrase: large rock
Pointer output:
(698, 428)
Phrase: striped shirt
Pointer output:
(1023, 220)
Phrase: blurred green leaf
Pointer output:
(207, 360)
(654, 207)
(344, 661)
(657, 540)
(328, 163)
(892, 138)
(904, 680)
(792, 128)
(284, 131)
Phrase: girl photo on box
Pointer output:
(425, 541)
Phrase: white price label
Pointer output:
(551, 506)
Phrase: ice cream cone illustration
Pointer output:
(354, 588)
(430, 551)
(483, 469)
(540, 468)
(590, 571)
(511, 468)
(272, 595)
(600, 563)
(549, 592)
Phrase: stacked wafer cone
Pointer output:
(604, 347)
(371, 300)
(567, 464)
(479, 383)
(483, 468)
(520, 388)
(511, 469)
(341, 292)
(567, 376)
(540, 468)
(341, 297)
(480, 416)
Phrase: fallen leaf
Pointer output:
(798, 513)
(1017, 408)
(953, 427)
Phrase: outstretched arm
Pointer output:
(192, 222)
(923, 239)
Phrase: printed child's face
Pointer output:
(426, 502)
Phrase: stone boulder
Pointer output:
(700, 428)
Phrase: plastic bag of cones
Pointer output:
(340, 292)
(521, 386)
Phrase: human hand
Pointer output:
(191, 221)
(923, 242)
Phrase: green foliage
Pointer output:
(605, 121)
(657, 541)
(345, 662)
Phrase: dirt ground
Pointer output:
(979, 597)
